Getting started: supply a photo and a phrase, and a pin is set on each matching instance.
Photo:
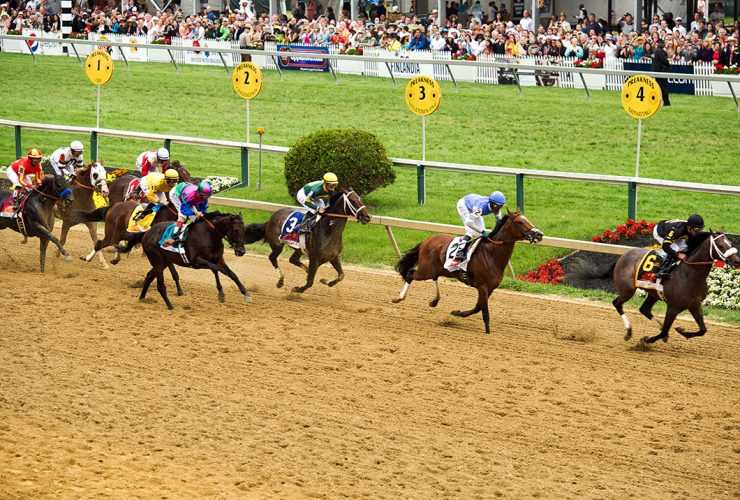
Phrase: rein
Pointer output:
(712, 249)
(90, 187)
(62, 194)
(352, 209)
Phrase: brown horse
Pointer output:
(116, 219)
(119, 186)
(685, 288)
(485, 269)
(323, 244)
(88, 181)
(204, 249)
(37, 217)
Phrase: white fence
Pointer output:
(535, 70)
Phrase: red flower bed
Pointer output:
(549, 272)
(628, 231)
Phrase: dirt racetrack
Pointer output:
(339, 393)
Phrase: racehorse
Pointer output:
(685, 288)
(116, 219)
(204, 249)
(37, 217)
(484, 271)
(88, 181)
(119, 186)
(323, 244)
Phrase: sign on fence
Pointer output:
(674, 86)
(302, 61)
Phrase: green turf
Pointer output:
(694, 140)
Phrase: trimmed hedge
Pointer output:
(357, 157)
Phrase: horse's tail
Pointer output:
(407, 262)
(96, 215)
(133, 240)
(584, 272)
(255, 232)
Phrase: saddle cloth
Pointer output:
(143, 225)
(6, 209)
(289, 231)
(178, 248)
(648, 270)
(452, 250)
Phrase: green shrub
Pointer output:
(357, 157)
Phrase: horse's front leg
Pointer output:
(337, 264)
(670, 317)
(43, 244)
(44, 233)
(93, 228)
(295, 259)
(698, 315)
(199, 263)
(228, 272)
(176, 278)
(63, 236)
(313, 266)
(277, 250)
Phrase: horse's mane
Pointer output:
(335, 195)
(696, 240)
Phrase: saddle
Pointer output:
(138, 224)
(647, 270)
(165, 242)
(7, 210)
(452, 251)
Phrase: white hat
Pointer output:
(679, 19)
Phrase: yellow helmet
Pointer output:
(171, 173)
(331, 178)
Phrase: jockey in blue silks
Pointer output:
(472, 208)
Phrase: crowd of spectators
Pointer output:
(468, 30)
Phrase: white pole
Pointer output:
(423, 138)
(97, 111)
(639, 135)
(247, 120)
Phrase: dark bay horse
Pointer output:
(486, 267)
(685, 288)
(204, 249)
(116, 219)
(89, 180)
(323, 244)
(119, 186)
(38, 213)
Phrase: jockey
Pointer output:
(20, 172)
(193, 203)
(66, 159)
(155, 187)
(472, 208)
(672, 235)
(150, 161)
(312, 197)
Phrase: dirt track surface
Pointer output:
(339, 393)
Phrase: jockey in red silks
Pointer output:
(20, 172)
(150, 161)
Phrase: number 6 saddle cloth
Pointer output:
(648, 270)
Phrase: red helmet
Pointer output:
(34, 153)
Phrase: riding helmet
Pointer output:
(76, 146)
(171, 174)
(331, 178)
(696, 220)
(497, 198)
(34, 153)
(163, 154)
(204, 188)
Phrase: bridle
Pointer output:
(64, 193)
(514, 217)
(348, 204)
(91, 186)
(223, 237)
(714, 249)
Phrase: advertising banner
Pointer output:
(300, 58)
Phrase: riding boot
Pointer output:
(461, 250)
(307, 223)
(17, 199)
(666, 267)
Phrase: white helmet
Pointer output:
(163, 154)
(76, 146)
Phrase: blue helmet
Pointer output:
(497, 198)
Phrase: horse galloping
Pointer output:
(323, 244)
(484, 271)
(88, 180)
(119, 187)
(203, 247)
(116, 219)
(37, 217)
(685, 288)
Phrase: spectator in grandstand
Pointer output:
(526, 22)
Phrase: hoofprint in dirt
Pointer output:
(104, 395)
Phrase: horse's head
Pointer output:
(181, 171)
(56, 186)
(348, 202)
(721, 248)
(518, 227)
(235, 234)
(98, 178)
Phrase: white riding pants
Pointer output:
(301, 197)
(474, 226)
(13, 178)
(678, 245)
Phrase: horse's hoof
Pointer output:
(180, 293)
(114, 261)
(169, 306)
(324, 281)
(24, 241)
(106, 266)
(628, 335)
(221, 299)
(82, 257)
(249, 298)
(396, 301)
(280, 283)
(646, 340)
(68, 258)
(433, 302)
(665, 339)
(456, 313)
(298, 289)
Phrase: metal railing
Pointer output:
(515, 67)
(632, 183)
